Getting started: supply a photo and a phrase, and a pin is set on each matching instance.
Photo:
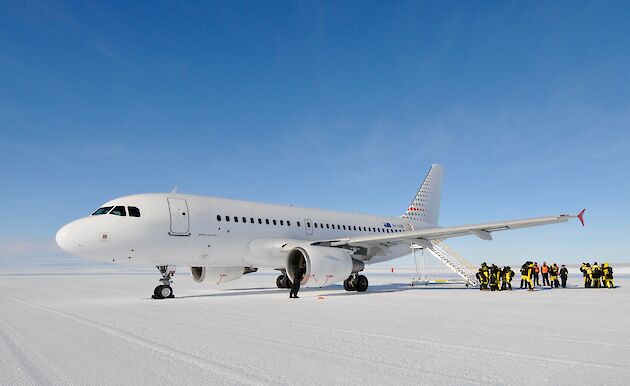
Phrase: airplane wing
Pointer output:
(480, 230)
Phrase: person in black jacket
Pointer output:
(297, 279)
(564, 274)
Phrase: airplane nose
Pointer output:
(67, 239)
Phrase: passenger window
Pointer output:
(118, 211)
(251, 220)
(288, 223)
(274, 222)
(235, 219)
(344, 227)
(218, 216)
(321, 225)
(355, 227)
(298, 224)
(227, 218)
(260, 220)
(327, 226)
(244, 220)
(267, 221)
(103, 210)
(281, 222)
(315, 225)
(133, 211)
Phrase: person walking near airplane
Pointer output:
(536, 274)
(297, 279)
(564, 274)
(544, 269)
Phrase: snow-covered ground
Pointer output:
(101, 327)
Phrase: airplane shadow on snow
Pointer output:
(335, 290)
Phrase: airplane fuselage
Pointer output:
(189, 230)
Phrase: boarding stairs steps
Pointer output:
(454, 261)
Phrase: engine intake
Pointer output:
(218, 275)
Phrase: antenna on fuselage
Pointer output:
(174, 190)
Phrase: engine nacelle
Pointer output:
(216, 275)
(324, 265)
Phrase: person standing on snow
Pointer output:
(545, 273)
(607, 273)
(536, 274)
(297, 279)
(564, 274)
(596, 273)
(554, 276)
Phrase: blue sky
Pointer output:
(338, 105)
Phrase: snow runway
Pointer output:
(102, 328)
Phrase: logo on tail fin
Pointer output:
(425, 207)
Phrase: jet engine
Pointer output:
(216, 275)
(324, 265)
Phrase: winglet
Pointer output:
(581, 216)
(174, 190)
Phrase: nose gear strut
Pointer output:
(164, 290)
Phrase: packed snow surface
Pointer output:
(103, 328)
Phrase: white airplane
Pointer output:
(221, 239)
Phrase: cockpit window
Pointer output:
(118, 211)
(133, 211)
(103, 210)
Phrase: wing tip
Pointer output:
(581, 216)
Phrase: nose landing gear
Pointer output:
(164, 290)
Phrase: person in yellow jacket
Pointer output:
(596, 274)
(588, 279)
(607, 275)
(506, 275)
(583, 270)
(530, 275)
(553, 272)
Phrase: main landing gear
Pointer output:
(164, 290)
(356, 282)
(283, 281)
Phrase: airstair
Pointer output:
(462, 267)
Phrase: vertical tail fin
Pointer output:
(425, 207)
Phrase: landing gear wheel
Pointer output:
(283, 281)
(361, 283)
(157, 292)
(164, 290)
(348, 284)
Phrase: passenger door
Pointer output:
(180, 223)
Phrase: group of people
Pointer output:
(494, 278)
(531, 272)
(596, 276)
